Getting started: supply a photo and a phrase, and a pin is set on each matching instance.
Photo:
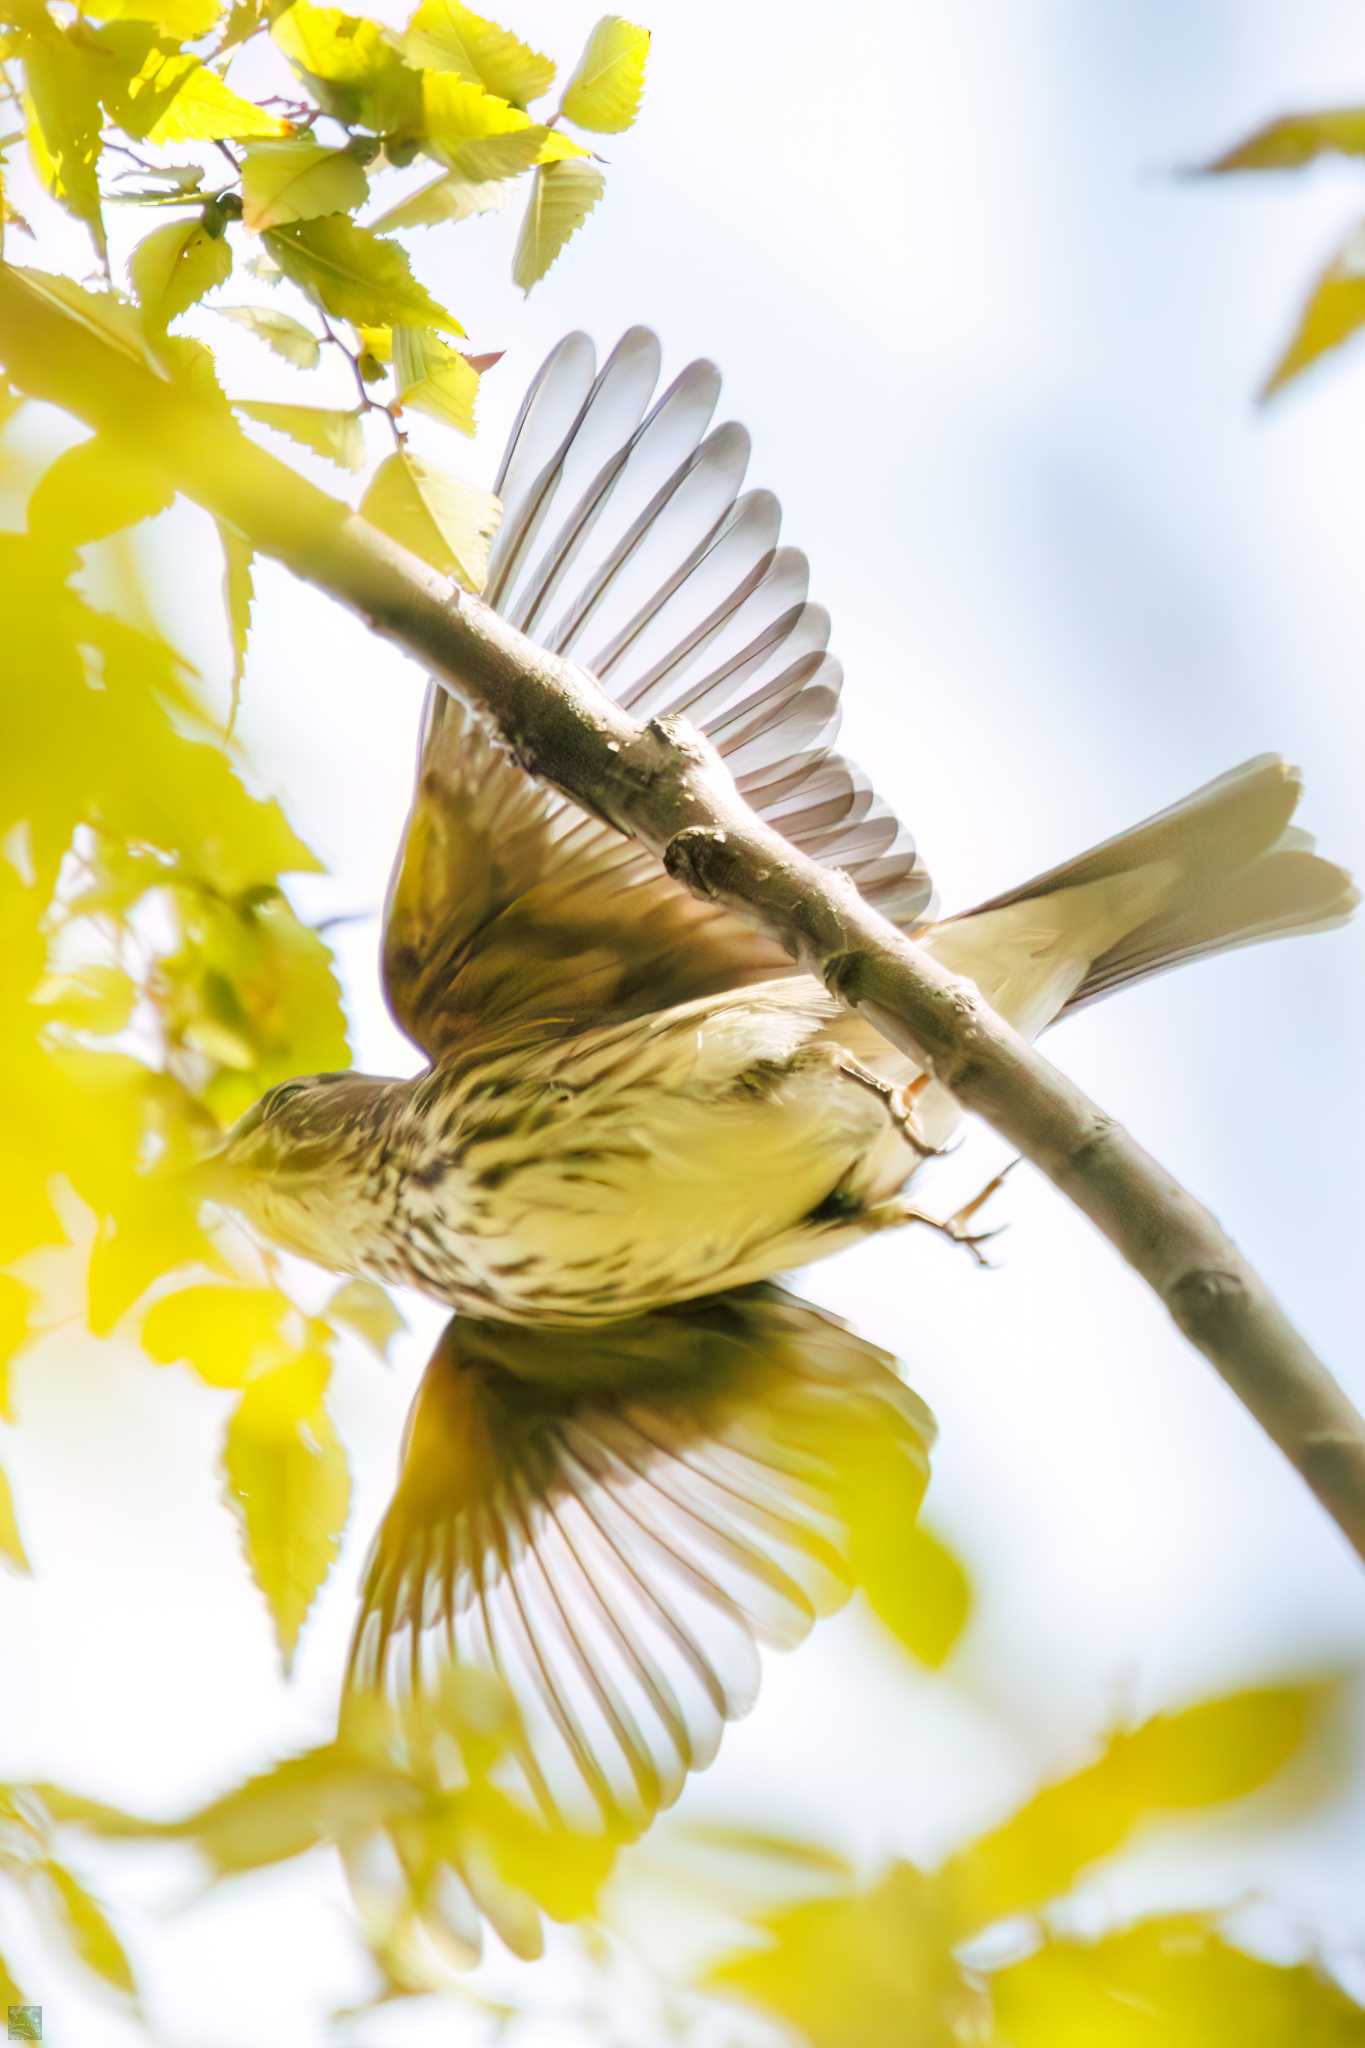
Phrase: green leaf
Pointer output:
(443, 35)
(288, 337)
(434, 378)
(449, 524)
(288, 1482)
(166, 95)
(66, 119)
(1297, 139)
(450, 197)
(354, 69)
(12, 1550)
(604, 92)
(92, 490)
(181, 20)
(223, 1333)
(354, 274)
(1332, 313)
(111, 318)
(337, 435)
(480, 136)
(238, 595)
(368, 1310)
(84, 1925)
(173, 268)
(297, 180)
(1168, 1982)
(562, 197)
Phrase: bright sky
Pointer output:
(998, 361)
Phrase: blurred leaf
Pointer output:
(288, 337)
(225, 1334)
(479, 136)
(298, 179)
(288, 1481)
(335, 434)
(181, 20)
(1332, 313)
(1297, 139)
(355, 71)
(150, 1227)
(444, 35)
(15, 1302)
(238, 595)
(354, 274)
(449, 524)
(1171, 1982)
(174, 266)
(368, 1310)
(1220, 1750)
(604, 92)
(562, 197)
(107, 315)
(12, 1550)
(97, 998)
(84, 1925)
(450, 197)
(64, 131)
(92, 490)
(434, 378)
(916, 1587)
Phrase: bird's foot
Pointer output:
(956, 1227)
(900, 1105)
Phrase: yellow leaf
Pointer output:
(15, 1299)
(97, 998)
(82, 1921)
(449, 524)
(1334, 311)
(93, 490)
(337, 435)
(481, 136)
(173, 268)
(288, 337)
(444, 35)
(204, 109)
(355, 70)
(182, 20)
(434, 378)
(11, 1542)
(288, 1482)
(604, 92)
(107, 315)
(224, 1334)
(450, 197)
(562, 197)
(296, 180)
(1297, 139)
(238, 594)
(355, 274)
(65, 122)
(368, 1310)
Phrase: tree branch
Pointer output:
(666, 786)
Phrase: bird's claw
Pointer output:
(954, 1227)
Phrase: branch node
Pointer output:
(1203, 1296)
(690, 858)
(845, 976)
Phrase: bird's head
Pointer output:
(301, 1162)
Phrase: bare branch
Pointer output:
(663, 784)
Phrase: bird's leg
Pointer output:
(900, 1103)
(891, 1214)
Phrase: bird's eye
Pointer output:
(279, 1096)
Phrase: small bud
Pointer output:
(400, 150)
(212, 221)
(229, 204)
(364, 148)
(370, 367)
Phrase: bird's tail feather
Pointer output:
(1239, 873)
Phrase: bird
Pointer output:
(632, 1458)
(631, 1098)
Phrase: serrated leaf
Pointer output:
(288, 1482)
(12, 1550)
(223, 1333)
(354, 69)
(449, 197)
(449, 524)
(481, 136)
(355, 275)
(107, 315)
(288, 337)
(65, 121)
(434, 378)
(182, 20)
(443, 35)
(368, 1310)
(238, 596)
(175, 266)
(1332, 313)
(562, 197)
(174, 98)
(337, 435)
(82, 1922)
(1297, 139)
(297, 180)
(92, 490)
(604, 92)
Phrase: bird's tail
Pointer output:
(1223, 868)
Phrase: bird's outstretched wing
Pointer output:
(628, 543)
(613, 1521)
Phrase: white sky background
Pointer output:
(999, 365)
